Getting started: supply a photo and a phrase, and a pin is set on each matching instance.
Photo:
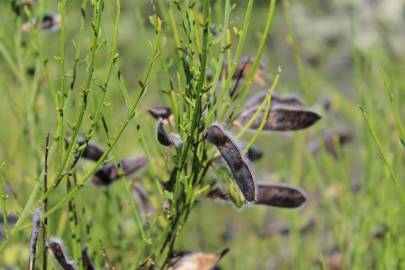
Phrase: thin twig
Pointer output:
(45, 203)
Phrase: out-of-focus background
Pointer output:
(336, 55)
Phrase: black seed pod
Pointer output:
(280, 196)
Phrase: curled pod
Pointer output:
(166, 139)
(110, 172)
(58, 250)
(280, 196)
(195, 260)
(87, 262)
(50, 22)
(235, 160)
(276, 100)
(279, 119)
(164, 113)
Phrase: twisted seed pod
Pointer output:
(233, 156)
(167, 139)
(280, 196)
(279, 119)
(195, 260)
(58, 250)
(36, 222)
(110, 171)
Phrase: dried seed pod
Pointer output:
(58, 250)
(164, 113)
(87, 263)
(279, 119)
(36, 222)
(243, 68)
(142, 197)
(50, 22)
(291, 101)
(110, 172)
(91, 151)
(254, 153)
(195, 261)
(280, 196)
(167, 139)
(233, 156)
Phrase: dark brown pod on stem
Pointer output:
(87, 263)
(235, 160)
(58, 250)
(279, 119)
(280, 196)
(92, 151)
(164, 113)
(110, 172)
(166, 139)
(195, 260)
(254, 153)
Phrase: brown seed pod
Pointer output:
(92, 151)
(50, 22)
(167, 139)
(164, 113)
(195, 261)
(279, 119)
(87, 263)
(58, 250)
(110, 172)
(243, 68)
(288, 101)
(36, 222)
(280, 196)
(235, 160)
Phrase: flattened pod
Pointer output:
(110, 171)
(279, 119)
(58, 250)
(195, 261)
(280, 196)
(235, 160)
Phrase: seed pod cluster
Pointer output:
(110, 172)
(195, 260)
(59, 251)
(235, 160)
(50, 22)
